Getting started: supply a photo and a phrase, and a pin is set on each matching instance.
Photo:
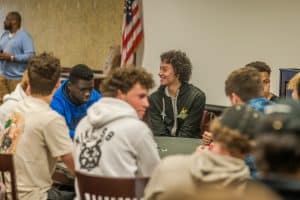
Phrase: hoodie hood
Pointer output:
(109, 109)
(17, 95)
(212, 167)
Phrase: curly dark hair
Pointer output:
(80, 72)
(245, 82)
(260, 66)
(43, 72)
(180, 62)
(124, 79)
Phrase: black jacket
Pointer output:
(190, 106)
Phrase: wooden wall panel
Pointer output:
(77, 31)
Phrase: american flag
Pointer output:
(132, 31)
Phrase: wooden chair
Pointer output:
(7, 166)
(109, 187)
(207, 117)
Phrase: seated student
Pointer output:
(10, 100)
(278, 149)
(112, 140)
(265, 72)
(244, 86)
(176, 107)
(223, 166)
(75, 96)
(40, 134)
(294, 85)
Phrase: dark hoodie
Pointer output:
(190, 105)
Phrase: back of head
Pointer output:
(80, 72)
(236, 127)
(260, 66)
(180, 62)
(244, 82)
(278, 146)
(43, 73)
(124, 79)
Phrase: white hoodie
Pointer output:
(112, 141)
(9, 103)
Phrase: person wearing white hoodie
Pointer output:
(11, 100)
(112, 140)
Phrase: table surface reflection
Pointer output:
(176, 145)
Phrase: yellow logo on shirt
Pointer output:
(183, 113)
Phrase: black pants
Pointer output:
(55, 193)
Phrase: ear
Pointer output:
(28, 89)
(57, 84)
(235, 99)
(120, 95)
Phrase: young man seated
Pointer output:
(244, 86)
(75, 96)
(176, 107)
(40, 134)
(265, 72)
(112, 140)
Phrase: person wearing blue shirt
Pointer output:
(16, 48)
(244, 86)
(75, 96)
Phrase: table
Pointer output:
(176, 145)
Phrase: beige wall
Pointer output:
(222, 35)
(77, 31)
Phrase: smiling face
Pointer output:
(137, 97)
(167, 74)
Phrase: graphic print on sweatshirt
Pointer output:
(90, 147)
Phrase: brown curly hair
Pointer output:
(43, 72)
(180, 62)
(124, 79)
(230, 139)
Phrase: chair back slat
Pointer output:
(7, 166)
(110, 187)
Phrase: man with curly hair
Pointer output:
(176, 107)
(112, 140)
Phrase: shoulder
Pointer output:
(95, 95)
(175, 162)
(158, 93)
(195, 90)
(24, 33)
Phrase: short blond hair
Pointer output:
(294, 82)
